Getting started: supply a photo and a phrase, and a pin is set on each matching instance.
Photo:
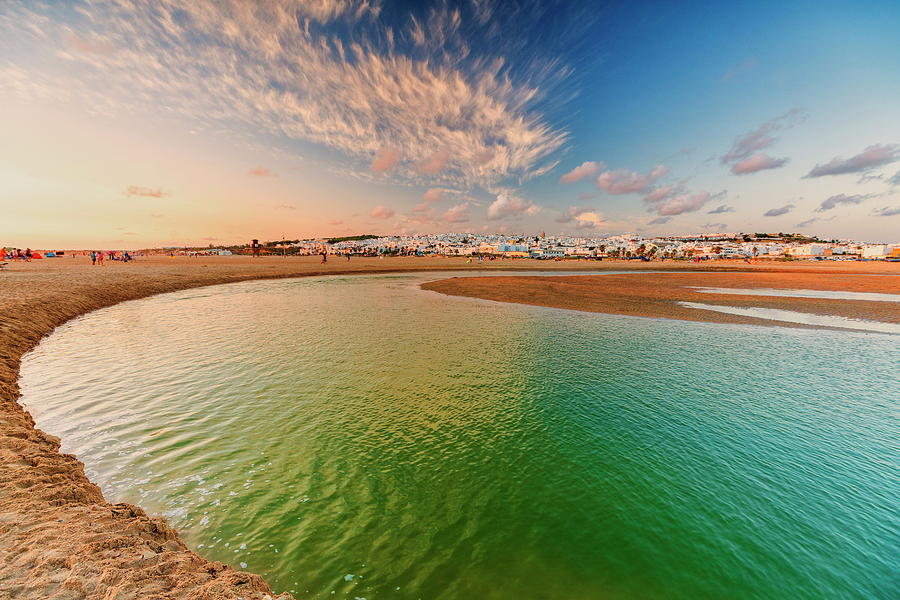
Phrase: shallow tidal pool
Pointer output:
(357, 437)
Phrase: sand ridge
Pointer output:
(59, 537)
(660, 295)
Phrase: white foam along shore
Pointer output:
(824, 294)
(774, 314)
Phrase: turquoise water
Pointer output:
(357, 437)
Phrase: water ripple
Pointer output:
(355, 437)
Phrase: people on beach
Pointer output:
(324, 257)
(93, 258)
(28, 255)
(100, 257)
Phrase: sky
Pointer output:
(130, 124)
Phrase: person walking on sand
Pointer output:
(324, 257)
(93, 258)
(100, 257)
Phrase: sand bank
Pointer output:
(661, 295)
(59, 538)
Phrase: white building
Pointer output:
(874, 250)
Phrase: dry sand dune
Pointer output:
(59, 538)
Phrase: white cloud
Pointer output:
(777, 212)
(507, 205)
(585, 169)
(263, 67)
(622, 181)
(756, 163)
(435, 163)
(584, 217)
(763, 136)
(458, 213)
(683, 204)
(832, 201)
(385, 159)
(429, 198)
(136, 190)
(873, 156)
(382, 212)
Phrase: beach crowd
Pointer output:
(97, 256)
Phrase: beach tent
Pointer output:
(36, 255)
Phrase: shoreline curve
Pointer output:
(59, 537)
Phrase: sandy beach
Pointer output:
(59, 538)
(662, 295)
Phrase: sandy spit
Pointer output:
(659, 295)
(59, 538)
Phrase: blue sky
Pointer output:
(137, 123)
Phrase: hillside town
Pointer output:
(626, 246)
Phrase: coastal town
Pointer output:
(629, 246)
(763, 246)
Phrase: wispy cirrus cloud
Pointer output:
(745, 154)
(412, 88)
(873, 156)
(781, 210)
(887, 211)
(325, 11)
(756, 163)
(262, 172)
(733, 72)
(721, 210)
(435, 163)
(812, 221)
(622, 181)
(585, 169)
(763, 136)
(385, 159)
(832, 201)
(145, 192)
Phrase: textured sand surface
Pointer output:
(659, 295)
(59, 538)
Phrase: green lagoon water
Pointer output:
(357, 437)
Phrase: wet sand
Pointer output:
(60, 539)
(660, 295)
